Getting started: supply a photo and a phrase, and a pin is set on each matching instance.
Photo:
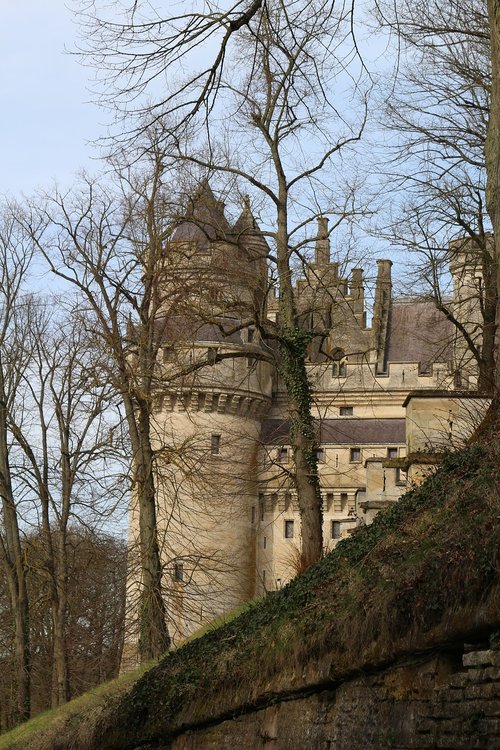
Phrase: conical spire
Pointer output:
(204, 219)
(246, 220)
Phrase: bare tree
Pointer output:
(16, 251)
(275, 102)
(94, 617)
(111, 247)
(137, 51)
(60, 420)
(437, 113)
(492, 153)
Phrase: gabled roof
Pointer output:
(418, 332)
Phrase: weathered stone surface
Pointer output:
(482, 658)
(424, 706)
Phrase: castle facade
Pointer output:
(228, 517)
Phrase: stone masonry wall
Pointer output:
(449, 701)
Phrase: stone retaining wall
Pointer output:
(449, 701)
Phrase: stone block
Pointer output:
(460, 679)
(488, 691)
(489, 727)
(482, 658)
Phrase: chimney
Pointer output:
(322, 249)
(357, 294)
(381, 310)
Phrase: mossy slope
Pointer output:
(425, 573)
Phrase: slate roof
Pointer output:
(185, 328)
(418, 332)
(205, 219)
(341, 431)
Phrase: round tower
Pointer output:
(216, 385)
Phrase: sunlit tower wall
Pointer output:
(216, 373)
(468, 299)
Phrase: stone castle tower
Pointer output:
(228, 519)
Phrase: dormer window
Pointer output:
(212, 355)
(283, 455)
(339, 369)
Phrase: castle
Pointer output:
(228, 519)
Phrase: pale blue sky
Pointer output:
(47, 120)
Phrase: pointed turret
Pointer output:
(252, 251)
(204, 219)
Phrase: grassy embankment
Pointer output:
(423, 575)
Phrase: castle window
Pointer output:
(392, 452)
(212, 355)
(335, 530)
(168, 353)
(346, 411)
(250, 335)
(215, 445)
(283, 455)
(253, 513)
(425, 368)
(338, 364)
(251, 362)
(261, 507)
(400, 477)
(178, 573)
(457, 379)
(339, 370)
(288, 501)
(288, 529)
(355, 455)
(320, 455)
(343, 501)
(329, 500)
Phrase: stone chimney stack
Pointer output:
(358, 294)
(322, 249)
(381, 310)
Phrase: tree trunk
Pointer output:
(293, 351)
(154, 639)
(15, 570)
(492, 154)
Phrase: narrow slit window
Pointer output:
(178, 574)
(215, 445)
(289, 529)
